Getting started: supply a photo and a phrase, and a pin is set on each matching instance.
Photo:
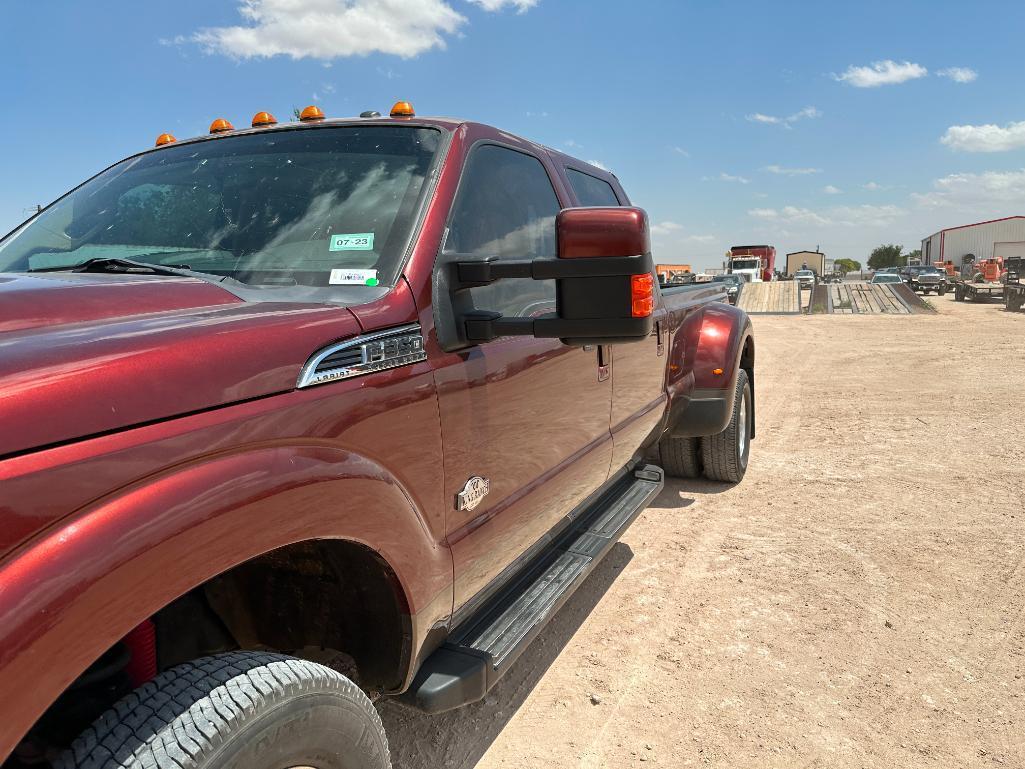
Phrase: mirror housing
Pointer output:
(605, 289)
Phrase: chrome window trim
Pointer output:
(309, 377)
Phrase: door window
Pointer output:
(506, 207)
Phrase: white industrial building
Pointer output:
(985, 240)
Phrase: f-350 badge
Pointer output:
(473, 492)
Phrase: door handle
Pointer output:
(660, 346)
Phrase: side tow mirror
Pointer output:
(605, 290)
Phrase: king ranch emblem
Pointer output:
(473, 492)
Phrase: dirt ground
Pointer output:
(857, 601)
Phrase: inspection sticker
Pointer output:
(353, 278)
(354, 241)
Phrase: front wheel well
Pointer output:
(335, 602)
(326, 595)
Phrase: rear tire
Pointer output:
(958, 294)
(243, 710)
(724, 457)
(680, 457)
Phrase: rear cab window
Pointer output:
(590, 190)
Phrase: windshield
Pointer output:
(315, 207)
(746, 264)
(887, 278)
(805, 273)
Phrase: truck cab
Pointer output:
(302, 414)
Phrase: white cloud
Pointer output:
(521, 6)
(665, 228)
(837, 216)
(829, 189)
(725, 177)
(572, 144)
(985, 138)
(873, 187)
(598, 164)
(331, 29)
(537, 114)
(992, 193)
(959, 74)
(783, 171)
(673, 232)
(879, 73)
(681, 151)
(788, 121)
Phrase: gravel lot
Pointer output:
(856, 601)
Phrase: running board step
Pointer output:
(480, 650)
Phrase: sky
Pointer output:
(796, 124)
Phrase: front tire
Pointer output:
(243, 710)
(724, 457)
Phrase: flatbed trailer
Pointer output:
(978, 292)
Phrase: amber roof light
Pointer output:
(165, 139)
(313, 112)
(263, 118)
(402, 109)
(220, 125)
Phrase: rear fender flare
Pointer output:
(75, 590)
(713, 341)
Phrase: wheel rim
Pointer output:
(742, 426)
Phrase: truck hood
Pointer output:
(83, 354)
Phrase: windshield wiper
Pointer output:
(116, 264)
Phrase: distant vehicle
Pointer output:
(925, 278)
(806, 278)
(887, 277)
(757, 262)
(733, 284)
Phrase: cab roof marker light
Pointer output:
(403, 109)
(165, 139)
(311, 113)
(220, 125)
(261, 119)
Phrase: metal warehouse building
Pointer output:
(997, 237)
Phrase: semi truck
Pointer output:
(299, 415)
(757, 262)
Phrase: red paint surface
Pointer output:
(591, 232)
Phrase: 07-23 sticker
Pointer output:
(353, 241)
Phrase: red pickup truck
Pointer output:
(305, 414)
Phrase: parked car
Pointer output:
(806, 278)
(887, 277)
(733, 284)
(335, 395)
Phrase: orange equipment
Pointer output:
(667, 272)
(990, 269)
